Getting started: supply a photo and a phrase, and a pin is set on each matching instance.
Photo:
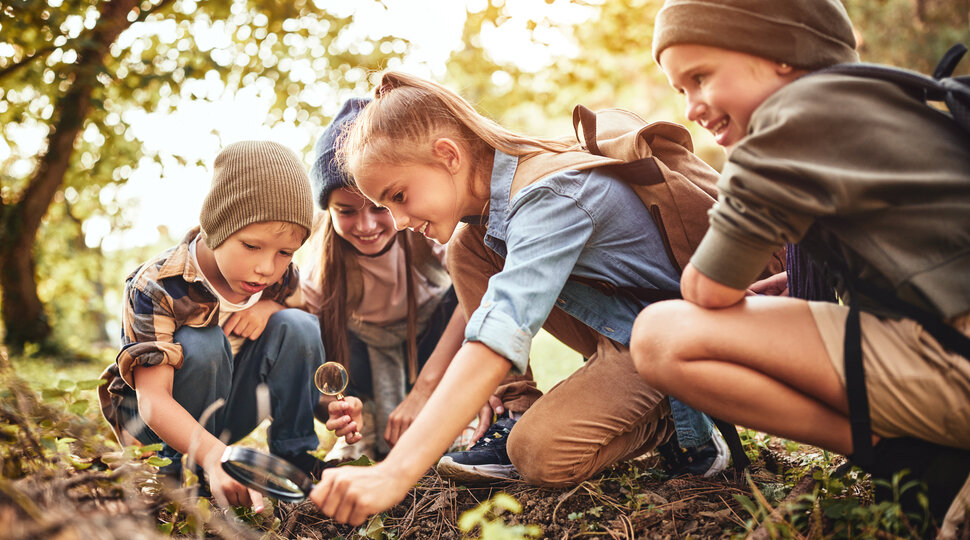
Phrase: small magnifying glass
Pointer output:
(266, 473)
(274, 476)
(331, 379)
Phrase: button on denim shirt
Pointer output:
(582, 223)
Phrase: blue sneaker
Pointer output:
(705, 460)
(487, 460)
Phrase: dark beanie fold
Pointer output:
(326, 175)
(808, 34)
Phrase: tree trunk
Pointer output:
(23, 313)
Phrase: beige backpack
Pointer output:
(656, 159)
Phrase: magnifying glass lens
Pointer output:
(267, 474)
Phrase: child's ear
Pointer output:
(448, 153)
(783, 68)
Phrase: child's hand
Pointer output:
(494, 406)
(776, 285)
(228, 492)
(346, 418)
(403, 415)
(250, 322)
(351, 494)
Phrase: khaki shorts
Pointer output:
(916, 387)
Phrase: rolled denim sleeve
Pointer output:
(499, 332)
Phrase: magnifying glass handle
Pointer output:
(340, 397)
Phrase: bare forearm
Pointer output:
(174, 425)
(699, 289)
(470, 379)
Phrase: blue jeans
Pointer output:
(693, 427)
(283, 359)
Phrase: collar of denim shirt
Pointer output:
(503, 171)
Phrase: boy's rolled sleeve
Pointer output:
(729, 260)
(154, 353)
(499, 332)
(149, 330)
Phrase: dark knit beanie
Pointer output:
(326, 175)
(255, 181)
(808, 34)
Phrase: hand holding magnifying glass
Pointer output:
(272, 475)
(331, 379)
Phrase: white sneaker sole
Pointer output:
(458, 472)
(723, 454)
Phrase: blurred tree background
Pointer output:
(75, 74)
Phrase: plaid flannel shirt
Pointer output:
(161, 296)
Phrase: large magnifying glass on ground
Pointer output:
(266, 473)
(274, 476)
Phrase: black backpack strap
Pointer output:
(855, 387)
(642, 294)
(738, 456)
(954, 91)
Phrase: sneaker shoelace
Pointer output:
(495, 435)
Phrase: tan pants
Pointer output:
(601, 414)
(916, 387)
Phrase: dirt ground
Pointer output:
(631, 500)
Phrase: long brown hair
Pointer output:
(342, 291)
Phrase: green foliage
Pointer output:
(486, 519)
(835, 501)
(47, 431)
(171, 52)
(910, 34)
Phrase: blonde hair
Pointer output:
(409, 113)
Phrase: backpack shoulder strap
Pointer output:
(953, 91)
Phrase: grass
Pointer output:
(551, 362)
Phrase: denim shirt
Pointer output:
(582, 223)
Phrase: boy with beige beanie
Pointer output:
(871, 183)
(206, 326)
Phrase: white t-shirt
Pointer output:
(226, 308)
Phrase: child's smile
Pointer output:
(367, 227)
(723, 88)
(422, 198)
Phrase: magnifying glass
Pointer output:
(331, 379)
(274, 476)
(266, 473)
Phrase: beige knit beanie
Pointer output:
(808, 34)
(255, 181)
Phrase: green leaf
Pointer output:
(374, 529)
(79, 407)
(51, 393)
(471, 518)
(362, 461)
(504, 501)
(90, 384)
(49, 442)
(158, 461)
